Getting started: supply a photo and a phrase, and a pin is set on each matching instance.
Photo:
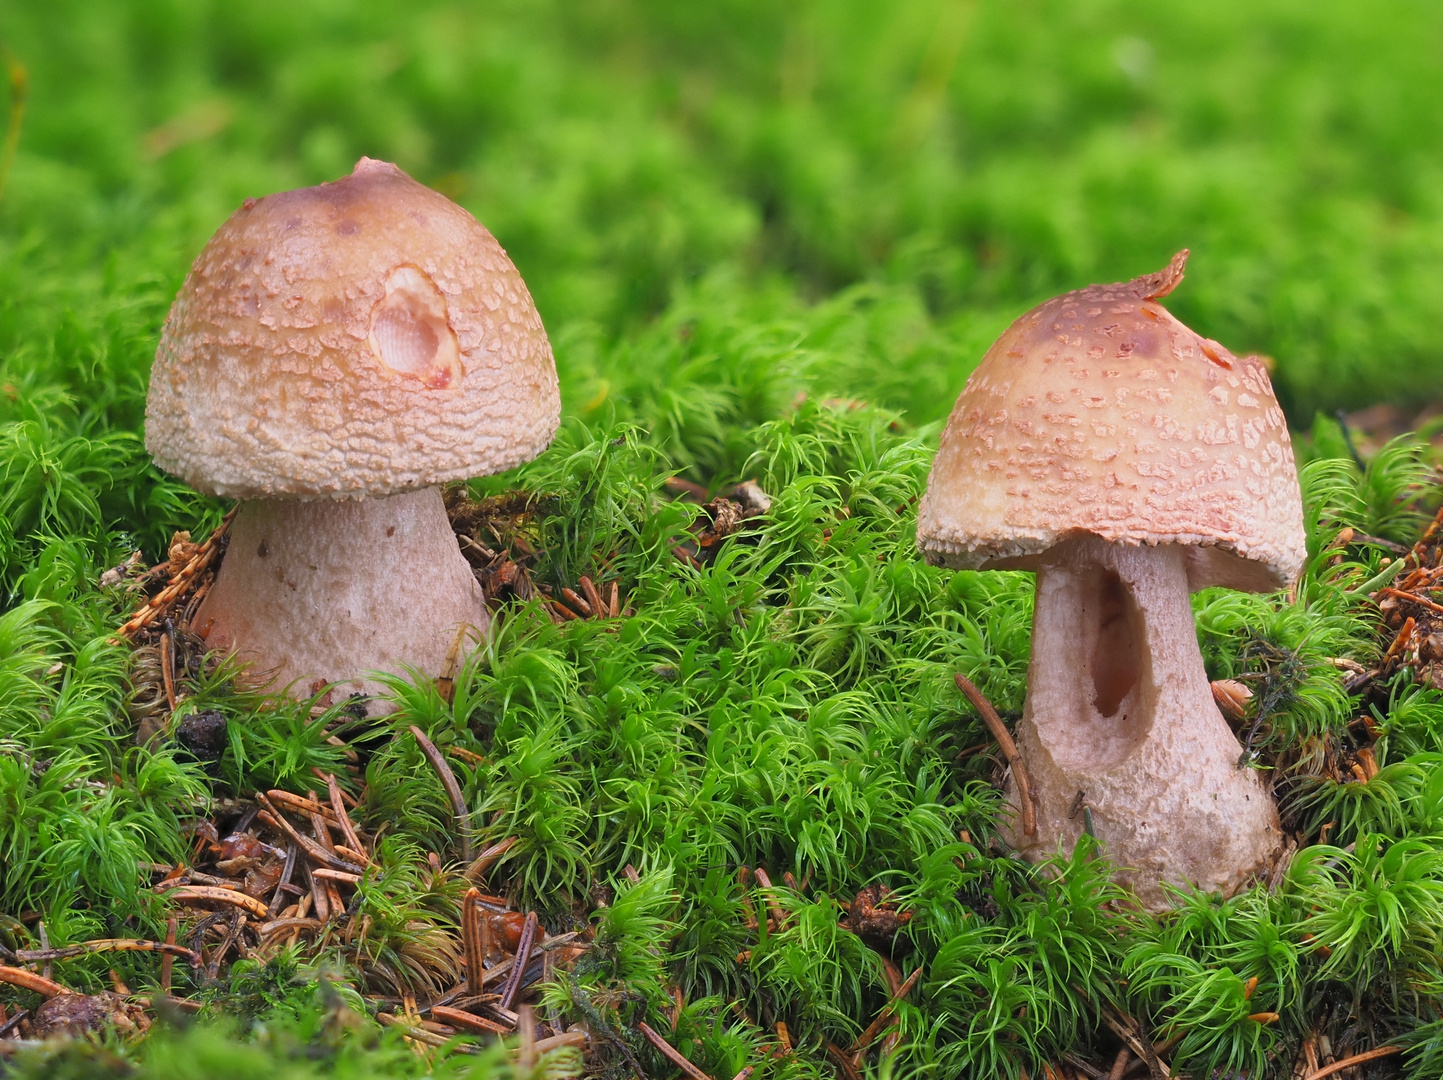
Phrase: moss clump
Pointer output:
(769, 243)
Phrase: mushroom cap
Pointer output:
(353, 339)
(1098, 411)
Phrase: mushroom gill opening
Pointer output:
(410, 333)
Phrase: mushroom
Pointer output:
(335, 353)
(1128, 462)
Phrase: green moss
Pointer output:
(769, 243)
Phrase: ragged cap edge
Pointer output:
(1157, 285)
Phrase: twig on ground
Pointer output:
(1130, 1032)
(13, 1023)
(168, 948)
(287, 871)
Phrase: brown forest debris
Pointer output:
(873, 916)
(188, 566)
(468, 1021)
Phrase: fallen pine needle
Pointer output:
(453, 790)
(302, 805)
(420, 1035)
(876, 1025)
(466, 1021)
(843, 1062)
(672, 1054)
(336, 875)
(482, 866)
(1009, 750)
(566, 1038)
(1356, 1059)
(518, 968)
(472, 940)
(211, 894)
(313, 850)
(28, 980)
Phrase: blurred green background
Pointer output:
(880, 187)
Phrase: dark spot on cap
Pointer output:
(390, 530)
(263, 551)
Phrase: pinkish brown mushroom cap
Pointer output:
(357, 338)
(1099, 411)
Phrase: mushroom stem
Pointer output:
(1119, 711)
(316, 591)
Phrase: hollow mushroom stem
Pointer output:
(1120, 719)
(329, 590)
